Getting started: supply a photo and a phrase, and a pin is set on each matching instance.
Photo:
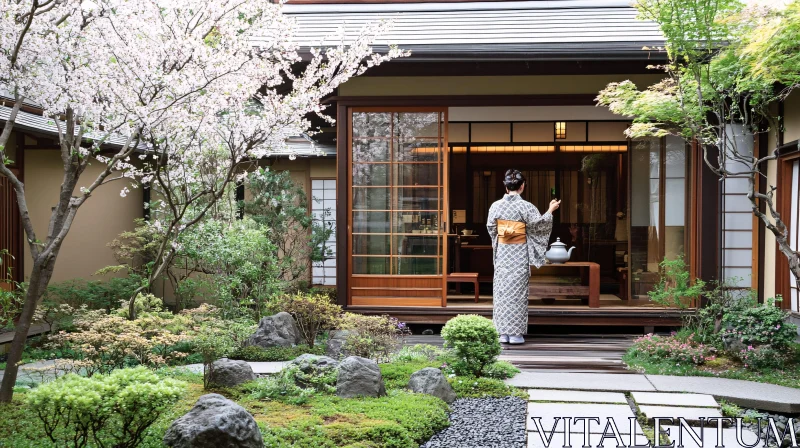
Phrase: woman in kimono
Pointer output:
(519, 240)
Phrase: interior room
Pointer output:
(422, 184)
(617, 209)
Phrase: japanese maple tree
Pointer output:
(728, 64)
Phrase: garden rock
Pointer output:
(309, 363)
(336, 342)
(431, 381)
(359, 377)
(228, 372)
(313, 365)
(214, 422)
(733, 344)
(279, 330)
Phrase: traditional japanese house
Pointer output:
(422, 142)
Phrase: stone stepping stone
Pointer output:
(549, 411)
(709, 437)
(615, 382)
(576, 440)
(576, 396)
(263, 368)
(259, 368)
(667, 399)
(674, 412)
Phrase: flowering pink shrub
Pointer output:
(762, 357)
(672, 348)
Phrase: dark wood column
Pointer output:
(342, 201)
(708, 217)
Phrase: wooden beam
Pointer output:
(467, 100)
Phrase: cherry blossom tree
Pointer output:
(177, 94)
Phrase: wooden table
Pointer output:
(590, 279)
(466, 277)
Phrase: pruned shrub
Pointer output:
(474, 342)
(500, 370)
(762, 357)
(373, 337)
(105, 410)
(313, 313)
(104, 342)
(760, 325)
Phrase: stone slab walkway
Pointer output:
(552, 415)
(576, 396)
(582, 381)
(691, 414)
(768, 397)
(668, 399)
(549, 410)
(709, 437)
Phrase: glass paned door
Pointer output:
(658, 203)
(397, 230)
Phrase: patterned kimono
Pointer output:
(512, 262)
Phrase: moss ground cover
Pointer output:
(399, 420)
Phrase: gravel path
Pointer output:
(483, 423)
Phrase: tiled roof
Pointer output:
(574, 29)
(26, 121)
(38, 123)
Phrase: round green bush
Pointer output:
(116, 409)
(474, 342)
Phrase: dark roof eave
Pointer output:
(521, 52)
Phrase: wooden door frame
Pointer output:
(782, 275)
(344, 271)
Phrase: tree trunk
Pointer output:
(40, 277)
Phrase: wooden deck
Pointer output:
(566, 312)
(563, 353)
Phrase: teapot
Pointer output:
(558, 253)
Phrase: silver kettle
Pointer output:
(558, 253)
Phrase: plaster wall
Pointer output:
(791, 120)
(99, 220)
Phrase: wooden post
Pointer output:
(594, 285)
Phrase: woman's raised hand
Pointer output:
(554, 204)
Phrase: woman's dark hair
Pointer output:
(513, 180)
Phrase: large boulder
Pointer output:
(214, 422)
(229, 372)
(279, 330)
(431, 381)
(336, 343)
(359, 377)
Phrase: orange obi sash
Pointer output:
(510, 232)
